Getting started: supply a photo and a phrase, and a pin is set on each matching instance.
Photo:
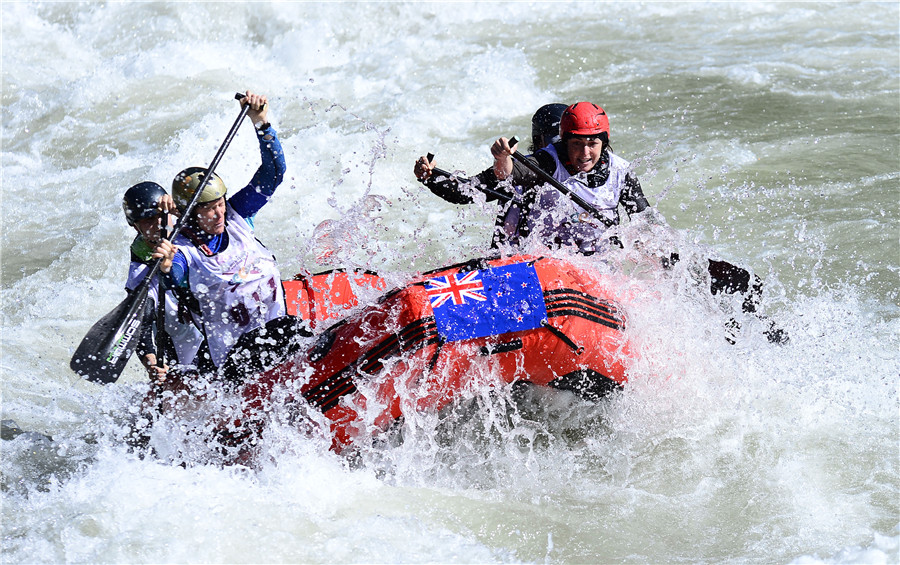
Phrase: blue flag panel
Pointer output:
(490, 302)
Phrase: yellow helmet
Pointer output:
(186, 183)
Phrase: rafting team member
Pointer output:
(458, 190)
(232, 275)
(147, 206)
(583, 161)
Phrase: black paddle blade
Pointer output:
(103, 353)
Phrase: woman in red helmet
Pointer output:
(583, 161)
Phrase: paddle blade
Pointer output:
(103, 353)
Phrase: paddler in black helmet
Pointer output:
(148, 208)
(217, 257)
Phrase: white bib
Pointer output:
(604, 198)
(186, 338)
(239, 288)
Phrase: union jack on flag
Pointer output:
(456, 288)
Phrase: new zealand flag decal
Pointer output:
(490, 302)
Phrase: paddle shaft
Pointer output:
(503, 198)
(544, 176)
(186, 213)
(117, 331)
(161, 335)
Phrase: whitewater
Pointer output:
(764, 134)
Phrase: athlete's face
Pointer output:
(584, 152)
(211, 216)
(149, 228)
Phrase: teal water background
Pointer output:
(767, 134)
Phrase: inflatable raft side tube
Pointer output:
(413, 337)
(324, 296)
(423, 332)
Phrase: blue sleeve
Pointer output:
(248, 200)
(178, 275)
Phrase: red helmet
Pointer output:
(583, 119)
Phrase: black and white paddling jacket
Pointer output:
(534, 208)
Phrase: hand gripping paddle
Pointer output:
(544, 176)
(105, 350)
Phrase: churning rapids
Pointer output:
(766, 134)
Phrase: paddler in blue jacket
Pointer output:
(145, 205)
(233, 276)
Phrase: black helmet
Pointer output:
(141, 201)
(545, 125)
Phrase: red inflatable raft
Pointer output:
(326, 297)
(519, 318)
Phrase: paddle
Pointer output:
(503, 198)
(161, 335)
(724, 276)
(559, 186)
(105, 350)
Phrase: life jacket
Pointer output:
(238, 289)
(185, 337)
(554, 217)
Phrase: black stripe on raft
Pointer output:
(406, 339)
(566, 302)
(325, 395)
(574, 303)
(395, 340)
(417, 335)
(583, 315)
(375, 365)
(551, 296)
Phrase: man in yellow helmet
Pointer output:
(233, 276)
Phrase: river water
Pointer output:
(766, 134)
